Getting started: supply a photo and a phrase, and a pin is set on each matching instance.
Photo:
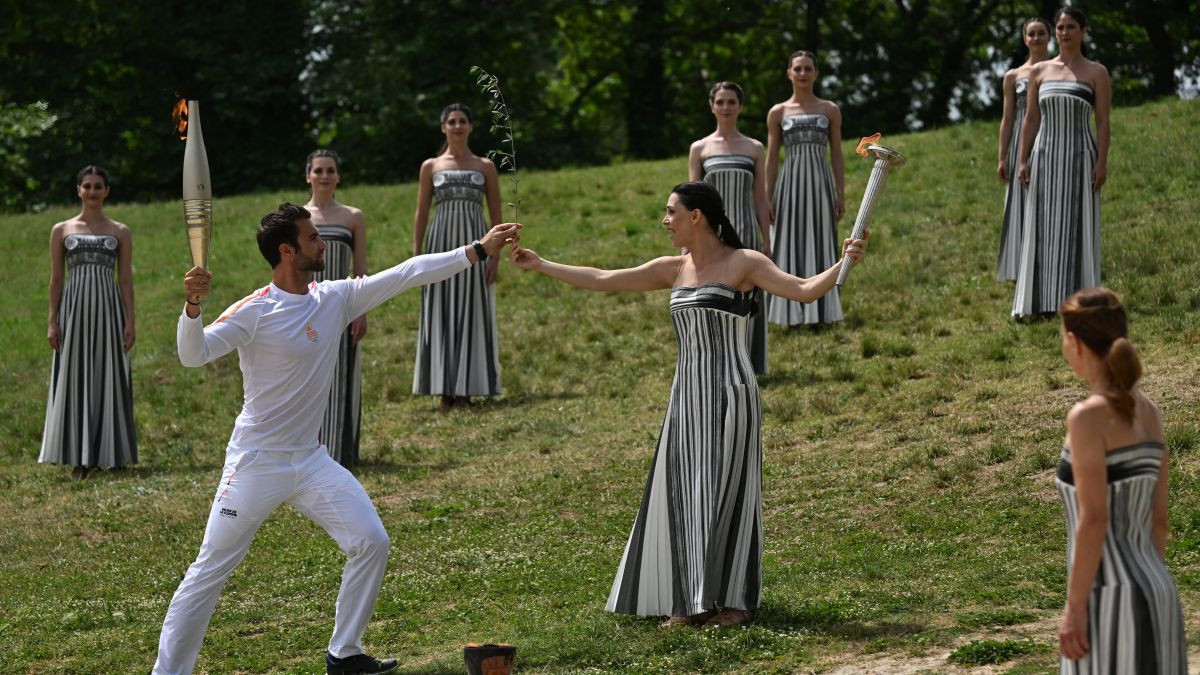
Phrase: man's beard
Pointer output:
(312, 264)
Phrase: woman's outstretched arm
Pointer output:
(764, 274)
(650, 276)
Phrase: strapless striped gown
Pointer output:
(1014, 196)
(458, 351)
(1060, 248)
(1135, 624)
(805, 240)
(733, 178)
(696, 544)
(339, 431)
(89, 411)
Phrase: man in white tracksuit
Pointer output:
(287, 337)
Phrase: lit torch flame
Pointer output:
(179, 114)
(863, 143)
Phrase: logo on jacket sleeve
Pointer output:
(310, 332)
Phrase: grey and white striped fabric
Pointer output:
(805, 238)
(339, 431)
(697, 541)
(733, 178)
(89, 412)
(1060, 246)
(1135, 624)
(1014, 196)
(457, 348)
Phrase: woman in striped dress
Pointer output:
(1037, 37)
(1123, 613)
(809, 195)
(89, 412)
(345, 234)
(1063, 169)
(458, 353)
(695, 551)
(733, 163)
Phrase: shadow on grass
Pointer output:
(789, 619)
(408, 469)
(132, 473)
(488, 404)
(432, 669)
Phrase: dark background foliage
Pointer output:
(588, 81)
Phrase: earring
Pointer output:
(719, 230)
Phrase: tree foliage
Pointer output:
(111, 71)
(587, 81)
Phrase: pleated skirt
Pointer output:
(343, 416)
(805, 238)
(1060, 247)
(696, 544)
(457, 346)
(89, 411)
(1014, 204)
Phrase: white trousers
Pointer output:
(253, 483)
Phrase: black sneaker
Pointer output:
(359, 664)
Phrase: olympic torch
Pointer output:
(885, 160)
(197, 188)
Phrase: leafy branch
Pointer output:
(505, 158)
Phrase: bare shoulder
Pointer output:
(1010, 77)
(122, 231)
(775, 114)
(667, 266)
(667, 261)
(1090, 413)
(746, 258)
(487, 166)
(354, 215)
(429, 166)
(58, 233)
(1154, 423)
(832, 111)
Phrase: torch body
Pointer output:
(885, 160)
(197, 189)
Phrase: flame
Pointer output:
(865, 141)
(179, 114)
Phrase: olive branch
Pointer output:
(501, 122)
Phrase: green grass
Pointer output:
(909, 503)
(987, 652)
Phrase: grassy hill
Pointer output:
(909, 505)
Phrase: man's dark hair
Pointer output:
(279, 227)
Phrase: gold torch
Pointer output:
(197, 185)
(885, 160)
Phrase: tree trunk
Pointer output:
(646, 104)
(1162, 66)
(812, 26)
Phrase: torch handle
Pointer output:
(879, 174)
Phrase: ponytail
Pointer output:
(1097, 318)
(702, 196)
(1124, 368)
